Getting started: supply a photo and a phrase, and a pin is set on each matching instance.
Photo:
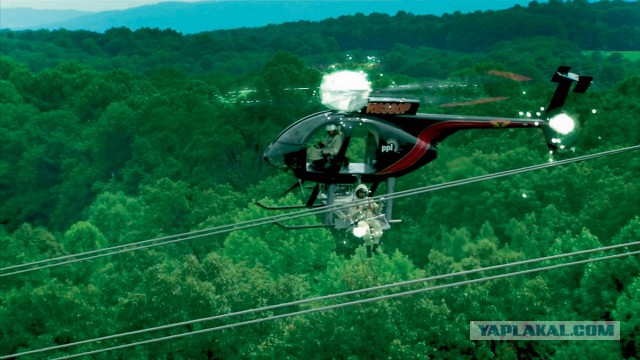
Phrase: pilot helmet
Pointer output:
(331, 127)
(362, 188)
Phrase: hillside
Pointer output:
(189, 18)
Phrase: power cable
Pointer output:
(347, 304)
(74, 258)
(333, 296)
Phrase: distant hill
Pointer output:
(25, 18)
(191, 18)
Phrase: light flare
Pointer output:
(359, 231)
(562, 124)
(345, 90)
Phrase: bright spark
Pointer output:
(562, 123)
(345, 90)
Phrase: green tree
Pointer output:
(50, 314)
(119, 217)
(279, 250)
(626, 309)
(9, 94)
(166, 206)
(29, 244)
(284, 73)
(83, 236)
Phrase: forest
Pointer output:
(113, 139)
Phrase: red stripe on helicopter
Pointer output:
(424, 141)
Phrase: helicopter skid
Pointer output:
(286, 207)
(301, 227)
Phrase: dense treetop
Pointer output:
(109, 139)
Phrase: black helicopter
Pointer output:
(387, 138)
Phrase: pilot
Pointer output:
(366, 212)
(320, 153)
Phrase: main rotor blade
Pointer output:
(474, 102)
(509, 75)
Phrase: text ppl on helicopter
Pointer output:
(365, 213)
(319, 154)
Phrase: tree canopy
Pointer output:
(126, 136)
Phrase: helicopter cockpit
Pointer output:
(356, 149)
(366, 143)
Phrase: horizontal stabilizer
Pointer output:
(583, 84)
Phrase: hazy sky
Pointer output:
(84, 5)
(102, 5)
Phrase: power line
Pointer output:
(350, 303)
(74, 258)
(333, 296)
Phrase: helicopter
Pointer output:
(384, 138)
